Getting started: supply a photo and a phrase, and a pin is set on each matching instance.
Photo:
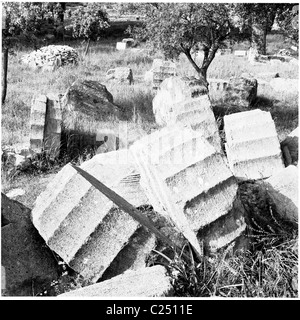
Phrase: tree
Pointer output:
(88, 22)
(288, 22)
(258, 18)
(176, 28)
(22, 22)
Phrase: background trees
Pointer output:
(258, 19)
(88, 22)
(22, 22)
(176, 28)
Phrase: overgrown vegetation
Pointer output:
(267, 269)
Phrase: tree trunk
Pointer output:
(258, 39)
(87, 47)
(4, 73)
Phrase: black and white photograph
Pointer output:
(149, 153)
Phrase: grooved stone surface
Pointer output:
(53, 125)
(146, 282)
(252, 145)
(197, 113)
(82, 225)
(37, 122)
(185, 178)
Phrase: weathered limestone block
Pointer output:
(29, 264)
(174, 90)
(252, 145)
(282, 188)
(146, 282)
(241, 91)
(52, 133)
(51, 57)
(120, 75)
(86, 100)
(289, 147)
(240, 53)
(161, 71)
(217, 84)
(134, 255)
(84, 106)
(197, 113)
(37, 123)
(121, 46)
(82, 225)
(225, 230)
(185, 178)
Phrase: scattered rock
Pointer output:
(240, 53)
(146, 282)
(80, 223)
(86, 101)
(51, 57)
(241, 91)
(53, 126)
(37, 123)
(15, 193)
(172, 91)
(197, 113)
(29, 264)
(252, 145)
(185, 179)
(289, 147)
(282, 188)
(162, 70)
(120, 75)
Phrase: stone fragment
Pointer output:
(146, 282)
(240, 53)
(37, 123)
(174, 90)
(282, 188)
(289, 147)
(185, 178)
(198, 114)
(121, 46)
(225, 230)
(82, 225)
(120, 75)
(252, 145)
(162, 70)
(53, 123)
(51, 57)
(241, 91)
(87, 99)
(29, 264)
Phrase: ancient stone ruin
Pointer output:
(51, 57)
(180, 171)
(252, 146)
(45, 125)
(120, 75)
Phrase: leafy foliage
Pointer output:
(288, 21)
(88, 22)
(24, 20)
(176, 28)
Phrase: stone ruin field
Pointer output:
(201, 166)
